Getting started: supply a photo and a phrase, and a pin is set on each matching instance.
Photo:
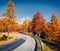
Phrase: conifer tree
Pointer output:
(10, 10)
(25, 25)
(10, 15)
(55, 27)
(37, 23)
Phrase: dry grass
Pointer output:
(12, 38)
(46, 48)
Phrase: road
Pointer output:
(23, 43)
(28, 45)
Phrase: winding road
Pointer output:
(22, 43)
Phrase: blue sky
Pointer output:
(30, 7)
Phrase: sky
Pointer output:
(28, 8)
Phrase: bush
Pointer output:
(4, 37)
(43, 35)
(34, 32)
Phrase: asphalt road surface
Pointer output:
(12, 45)
(22, 43)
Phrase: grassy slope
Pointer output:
(46, 48)
(8, 40)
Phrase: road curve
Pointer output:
(28, 45)
(23, 43)
(12, 45)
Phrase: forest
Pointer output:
(37, 26)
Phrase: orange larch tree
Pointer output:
(37, 23)
(30, 26)
(55, 28)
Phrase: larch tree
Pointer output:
(10, 10)
(20, 28)
(55, 28)
(37, 23)
(47, 30)
(30, 26)
(25, 26)
(3, 24)
(10, 16)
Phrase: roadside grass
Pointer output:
(11, 38)
(47, 48)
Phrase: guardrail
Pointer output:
(41, 43)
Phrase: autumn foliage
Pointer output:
(8, 21)
(30, 26)
(13, 25)
(53, 30)
(39, 25)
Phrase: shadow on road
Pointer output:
(11, 46)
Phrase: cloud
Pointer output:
(22, 20)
